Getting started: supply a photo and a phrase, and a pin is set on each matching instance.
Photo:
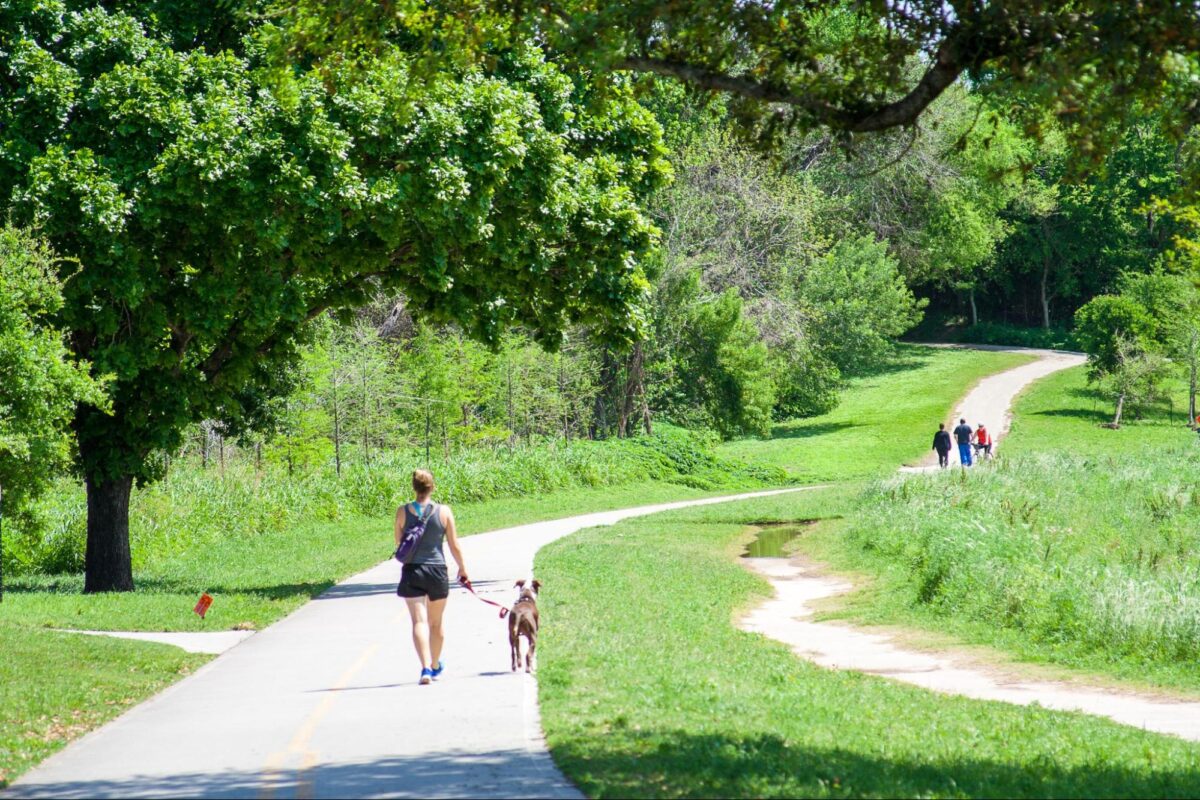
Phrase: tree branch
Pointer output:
(722, 82)
(948, 64)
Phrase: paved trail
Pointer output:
(788, 617)
(325, 702)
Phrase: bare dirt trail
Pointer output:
(788, 616)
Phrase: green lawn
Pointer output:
(255, 580)
(1061, 412)
(1077, 549)
(56, 686)
(258, 578)
(676, 702)
(884, 420)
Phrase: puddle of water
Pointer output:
(772, 540)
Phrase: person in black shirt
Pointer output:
(962, 435)
(941, 443)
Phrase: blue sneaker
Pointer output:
(426, 677)
(436, 672)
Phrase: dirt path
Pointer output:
(990, 402)
(788, 617)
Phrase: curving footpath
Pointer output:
(325, 702)
(788, 617)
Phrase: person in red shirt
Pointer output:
(983, 440)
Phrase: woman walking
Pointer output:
(424, 584)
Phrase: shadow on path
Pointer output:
(485, 775)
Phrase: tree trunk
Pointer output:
(337, 436)
(1045, 275)
(512, 425)
(1045, 298)
(974, 310)
(107, 563)
(366, 422)
(600, 422)
(1116, 423)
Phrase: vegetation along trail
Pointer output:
(308, 707)
(798, 585)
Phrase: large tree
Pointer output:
(215, 209)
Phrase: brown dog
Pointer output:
(523, 621)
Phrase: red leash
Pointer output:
(467, 585)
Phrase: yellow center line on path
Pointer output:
(273, 770)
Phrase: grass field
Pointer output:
(1062, 413)
(679, 703)
(884, 420)
(1078, 548)
(56, 686)
(261, 560)
(260, 571)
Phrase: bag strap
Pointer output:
(428, 512)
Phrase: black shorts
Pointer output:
(424, 580)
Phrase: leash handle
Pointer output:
(466, 584)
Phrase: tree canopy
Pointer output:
(216, 208)
(804, 64)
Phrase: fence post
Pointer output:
(427, 434)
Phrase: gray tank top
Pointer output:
(429, 549)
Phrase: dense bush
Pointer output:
(192, 507)
(1093, 553)
(1002, 334)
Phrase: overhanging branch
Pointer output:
(947, 65)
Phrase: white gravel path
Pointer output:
(788, 617)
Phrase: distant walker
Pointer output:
(962, 435)
(941, 443)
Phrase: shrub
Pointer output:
(1011, 547)
(192, 507)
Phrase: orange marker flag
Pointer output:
(202, 606)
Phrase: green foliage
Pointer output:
(1103, 322)
(726, 368)
(1106, 568)
(825, 300)
(194, 509)
(851, 68)
(213, 217)
(41, 381)
(679, 703)
(999, 333)
(859, 302)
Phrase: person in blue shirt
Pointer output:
(962, 435)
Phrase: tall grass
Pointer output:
(193, 507)
(1098, 553)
